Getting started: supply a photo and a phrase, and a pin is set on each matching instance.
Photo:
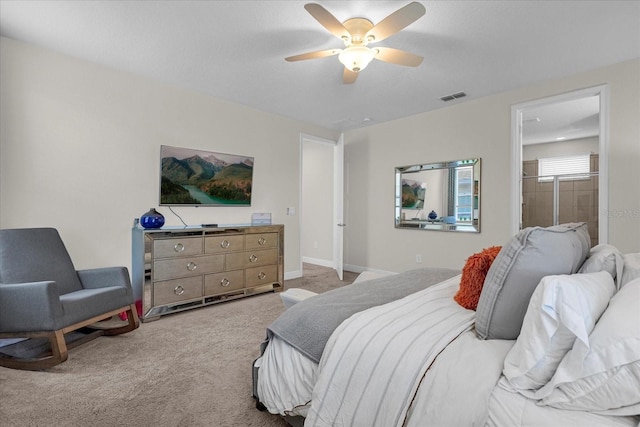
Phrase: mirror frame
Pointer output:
(441, 223)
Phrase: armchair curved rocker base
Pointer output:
(56, 351)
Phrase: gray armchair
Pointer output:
(43, 296)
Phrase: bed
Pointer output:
(551, 337)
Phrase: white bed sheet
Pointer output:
(509, 408)
(457, 387)
(286, 379)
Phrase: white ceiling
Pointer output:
(578, 118)
(235, 50)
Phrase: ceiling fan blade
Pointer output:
(313, 55)
(327, 20)
(349, 76)
(395, 56)
(396, 22)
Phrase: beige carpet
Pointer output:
(187, 369)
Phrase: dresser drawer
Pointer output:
(217, 244)
(246, 259)
(261, 275)
(260, 241)
(173, 291)
(223, 282)
(187, 266)
(168, 248)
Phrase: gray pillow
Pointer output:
(530, 255)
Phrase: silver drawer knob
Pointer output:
(253, 258)
(178, 290)
(179, 247)
(262, 241)
(191, 266)
(224, 244)
(225, 282)
(262, 275)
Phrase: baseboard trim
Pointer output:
(318, 261)
(296, 274)
(289, 275)
(359, 269)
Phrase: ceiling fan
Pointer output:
(358, 33)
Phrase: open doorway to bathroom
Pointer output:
(561, 150)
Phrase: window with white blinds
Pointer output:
(565, 168)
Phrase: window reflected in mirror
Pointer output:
(442, 196)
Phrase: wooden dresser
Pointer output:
(179, 268)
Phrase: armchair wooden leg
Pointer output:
(58, 355)
(133, 322)
(58, 346)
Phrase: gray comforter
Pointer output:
(308, 324)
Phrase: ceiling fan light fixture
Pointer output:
(357, 33)
(356, 58)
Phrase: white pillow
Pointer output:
(631, 269)
(603, 257)
(561, 309)
(603, 376)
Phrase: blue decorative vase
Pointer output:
(433, 215)
(152, 219)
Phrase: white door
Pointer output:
(338, 205)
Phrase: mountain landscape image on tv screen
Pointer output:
(204, 178)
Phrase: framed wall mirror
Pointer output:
(442, 196)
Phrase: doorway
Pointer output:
(559, 161)
(321, 202)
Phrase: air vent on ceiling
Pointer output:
(453, 96)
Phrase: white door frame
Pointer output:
(337, 210)
(603, 168)
(338, 207)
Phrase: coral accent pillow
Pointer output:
(473, 275)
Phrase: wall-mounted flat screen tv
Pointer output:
(204, 178)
